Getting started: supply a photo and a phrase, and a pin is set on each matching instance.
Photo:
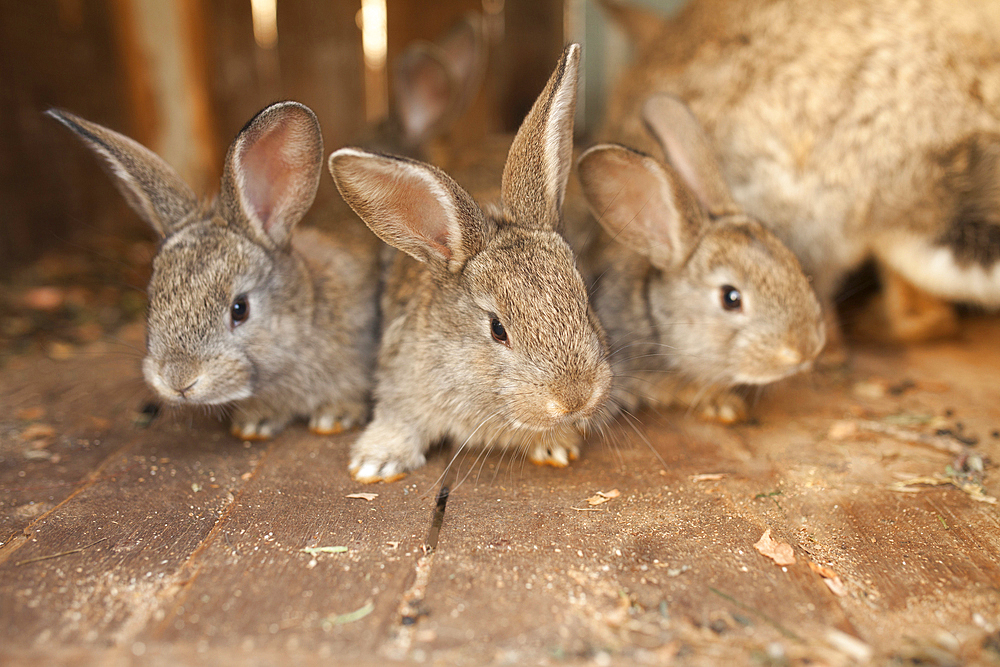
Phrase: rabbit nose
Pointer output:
(584, 399)
(184, 392)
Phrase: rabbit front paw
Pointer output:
(250, 428)
(726, 408)
(384, 453)
(555, 449)
(334, 419)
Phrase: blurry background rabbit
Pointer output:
(488, 338)
(695, 296)
(852, 129)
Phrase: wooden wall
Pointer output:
(184, 76)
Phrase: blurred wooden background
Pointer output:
(183, 76)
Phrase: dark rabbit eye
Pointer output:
(240, 310)
(499, 333)
(731, 298)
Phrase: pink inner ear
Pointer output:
(423, 90)
(420, 212)
(271, 168)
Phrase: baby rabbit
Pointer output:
(851, 128)
(488, 338)
(695, 295)
(245, 310)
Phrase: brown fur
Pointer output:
(662, 264)
(307, 347)
(838, 123)
(441, 374)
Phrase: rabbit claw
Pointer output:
(327, 424)
(726, 408)
(384, 453)
(371, 472)
(254, 429)
(554, 453)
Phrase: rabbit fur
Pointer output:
(488, 338)
(852, 129)
(245, 309)
(695, 295)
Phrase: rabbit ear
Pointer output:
(411, 205)
(433, 83)
(151, 187)
(422, 91)
(272, 171)
(538, 164)
(464, 48)
(641, 203)
(686, 146)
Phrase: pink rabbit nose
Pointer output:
(585, 399)
(184, 392)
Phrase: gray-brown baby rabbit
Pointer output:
(246, 309)
(488, 337)
(695, 296)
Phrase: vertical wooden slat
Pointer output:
(532, 43)
(319, 49)
(163, 55)
(52, 54)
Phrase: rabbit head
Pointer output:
(723, 291)
(225, 296)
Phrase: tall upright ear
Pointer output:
(151, 187)
(434, 83)
(641, 203)
(272, 171)
(412, 206)
(684, 142)
(538, 164)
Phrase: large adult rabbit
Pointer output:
(851, 128)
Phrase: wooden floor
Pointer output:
(127, 541)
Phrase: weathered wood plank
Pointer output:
(252, 586)
(138, 501)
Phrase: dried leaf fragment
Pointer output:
(842, 430)
(38, 432)
(780, 552)
(349, 617)
(362, 496)
(603, 497)
(972, 489)
(830, 578)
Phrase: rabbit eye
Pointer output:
(240, 310)
(731, 298)
(499, 333)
